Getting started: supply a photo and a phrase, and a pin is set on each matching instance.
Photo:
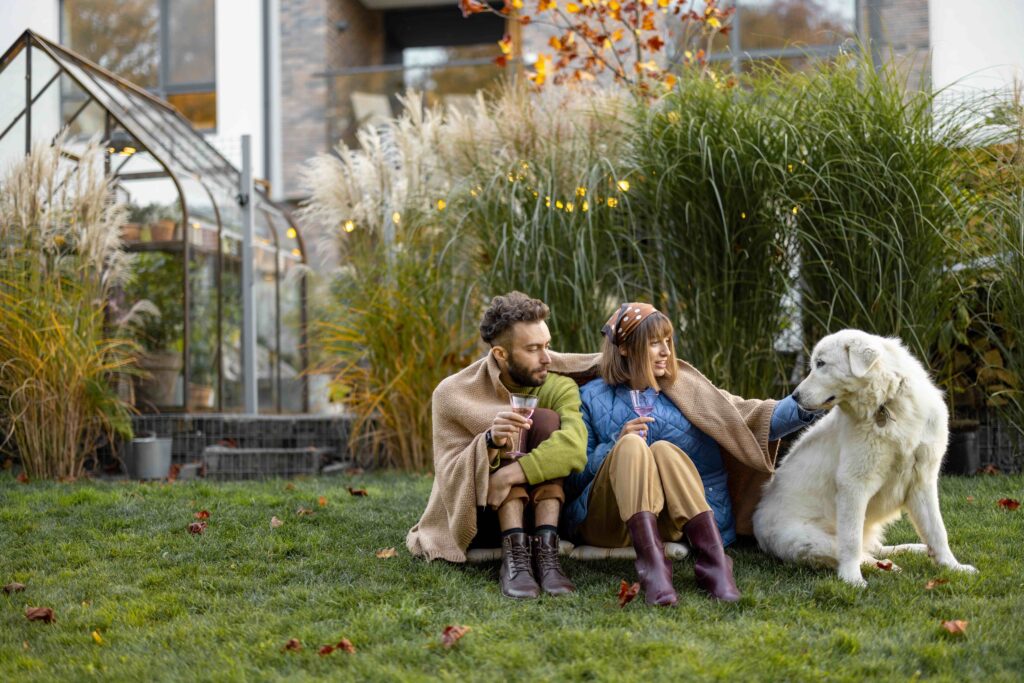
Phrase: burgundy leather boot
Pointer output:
(654, 568)
(546, 567)
(516, 574)
(712, 567)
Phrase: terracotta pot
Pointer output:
(130, 232)
(163, 230)
(200, 396)
(158, 388)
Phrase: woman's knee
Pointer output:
(631, 448)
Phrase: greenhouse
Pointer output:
(184, 225)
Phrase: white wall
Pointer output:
(239, 36)
(976, 45)
(42, 16)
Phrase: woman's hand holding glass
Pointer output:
(638, 426)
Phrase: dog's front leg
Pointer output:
(851, 506)
(925, 515)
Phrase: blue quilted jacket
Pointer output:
(606, 409)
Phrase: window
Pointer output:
(165, 46)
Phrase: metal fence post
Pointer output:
(250, 381)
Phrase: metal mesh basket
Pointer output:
(223, 462)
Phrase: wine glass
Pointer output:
(524, 404)
(643, 405)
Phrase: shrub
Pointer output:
(61, 260)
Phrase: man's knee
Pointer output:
(545, 423)
(549, 490)
(516, 493)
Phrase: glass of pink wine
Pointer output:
(643, 405)
(524, 404)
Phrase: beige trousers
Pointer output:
(635, 477)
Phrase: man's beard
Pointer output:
(523, 376)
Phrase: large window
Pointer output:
(165, 46)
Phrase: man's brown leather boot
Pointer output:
(712, 567)
(516, 573)
(654, 568)
(546, 567)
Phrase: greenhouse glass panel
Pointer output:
(183, 224)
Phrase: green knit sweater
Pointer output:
(565, 451)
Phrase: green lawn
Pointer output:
(117, 559)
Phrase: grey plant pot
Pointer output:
(149, 457)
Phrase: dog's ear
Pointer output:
(862, 358)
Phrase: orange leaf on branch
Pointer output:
(469, 7)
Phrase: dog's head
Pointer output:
(841, 364)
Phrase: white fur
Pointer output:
(854, 471)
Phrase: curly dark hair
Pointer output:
(507, 310)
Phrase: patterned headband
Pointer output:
(625, 320)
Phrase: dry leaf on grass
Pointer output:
(627, 593)
(303, 511)
(1009, 503)
(970, 499)
(97, 638)
(43, 614)
(451, 635)
(321, 501)
(23, 478)
(197, 527)
(289, 486)
(884, 565)
(275, 522)
(293, 645)
(14, 587)
(990, 469)
(24, 645)
(346, 646)
(202, 514)
(956, 627)
(325, 650)
(932, 583)
(173, 472)
(357, 492)
(385, 553)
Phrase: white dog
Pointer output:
(851, 474)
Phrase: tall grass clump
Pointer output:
(875, 196)
(709, 175)
(539, 204)
(395, 321)
(60, 260)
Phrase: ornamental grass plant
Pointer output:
(709, 167)
(61, 260)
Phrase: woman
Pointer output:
(659, 478)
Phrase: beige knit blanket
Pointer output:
(464, 406)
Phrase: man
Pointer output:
(477, 485)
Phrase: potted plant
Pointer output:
(159, 278)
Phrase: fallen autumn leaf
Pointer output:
(43, 614)
(197, 527)
(955, 627)
(202, 514)
(23, 478)
(385, 553)
(303, 511)
(293, 645)
(14, 587)
(357, 492)
(1009, 503)
(932, 583)
(325, 650)
(627, 593)
(885, 565)
(452, 634)
(346, 646)
(289, 486)
(275, 522)
(321, 501)
(97, 637)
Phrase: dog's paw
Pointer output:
(965, 568)
(854, 577)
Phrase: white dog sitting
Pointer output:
(851, 474)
